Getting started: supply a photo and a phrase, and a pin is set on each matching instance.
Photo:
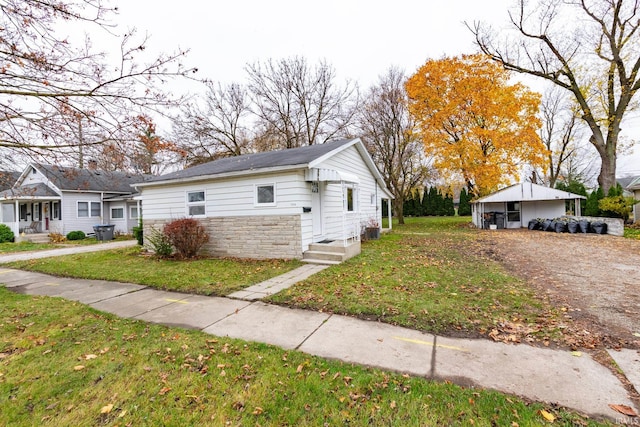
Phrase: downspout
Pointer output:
(101, 208)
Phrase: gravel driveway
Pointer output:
(596, 278)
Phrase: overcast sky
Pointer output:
(361, 39)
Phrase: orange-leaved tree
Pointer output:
(480, 129)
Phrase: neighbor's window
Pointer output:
(133, 212)
(117, 213)
(95, 209)
(266, 194)
(196, 203)
(23, 212)
(83, 209)
(55, 210)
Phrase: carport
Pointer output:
(514, 206)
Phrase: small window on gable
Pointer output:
(196, 203)
(117, 213)
(266, 194)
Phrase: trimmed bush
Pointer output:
(139, 234)
(160, 243)
(76, 235)
(6, 235)
(187, 236)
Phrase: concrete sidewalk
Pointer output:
(74, 249)
(574, 381)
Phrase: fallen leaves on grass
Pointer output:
(547, 415)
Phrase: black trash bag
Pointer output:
(599, 227)
(546, 225)
(573, 227)
(534, 224)
(583, 224)
(561, 227)
(552, 226)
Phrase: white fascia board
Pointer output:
(221, 176)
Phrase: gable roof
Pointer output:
(280, 160)
(633, 184)
(76, 179)
(527, 192)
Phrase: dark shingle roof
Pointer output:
(7, 179)
(271, 159)
(75, 179)
(30, 190)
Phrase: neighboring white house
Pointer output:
(515, 206)
(631, 186)
(274, 204)
(47, 198)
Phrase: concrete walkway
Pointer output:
(72, 249)
(573, 380)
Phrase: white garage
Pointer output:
(515, 206)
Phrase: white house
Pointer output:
(631, 185)
(515, 206)
(49, 198)
(275, 204)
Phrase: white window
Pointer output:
(133, 212)
(84, 212)
(55, 210)
(196, 203)
(350, 199)
(265, 194)
(117, 213)
(36, 211)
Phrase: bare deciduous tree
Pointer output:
(590, 48)
(219, 129)
(388, 132)
(300, 105)
(49, 86)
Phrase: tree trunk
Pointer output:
(398, 209)
(608, 156)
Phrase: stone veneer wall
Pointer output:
(258, 237)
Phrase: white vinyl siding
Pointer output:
(69, 209)
(229, 197)
(349, 160)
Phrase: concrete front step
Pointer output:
(35, 238)
(320, 261)
(324, 256)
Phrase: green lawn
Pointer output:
(423, 276)
(62, 363)
(420, 276)
(202, 276)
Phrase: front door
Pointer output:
(316, 210)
